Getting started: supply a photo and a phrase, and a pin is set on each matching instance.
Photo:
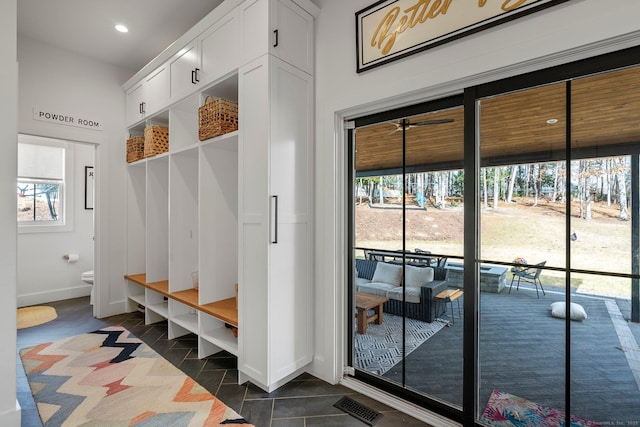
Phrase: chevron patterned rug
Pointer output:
(380, 348)
(110, 377)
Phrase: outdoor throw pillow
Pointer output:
(418, 276)
(388, 273)
(577, 311)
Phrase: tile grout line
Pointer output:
(628, 342)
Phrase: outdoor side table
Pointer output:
(449, 296)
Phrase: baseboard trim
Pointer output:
(55, 295)
(399, 404)
(11, 418)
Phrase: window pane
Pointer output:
(605, 356)
(39, 202)
(410, 170)
(378, 240)
(41, 177)
(522, 221)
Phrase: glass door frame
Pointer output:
(562, 73)
(351, 127)
(471, 272)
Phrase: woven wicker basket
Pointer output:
(156, 140)
(217, 117)
(135, 148)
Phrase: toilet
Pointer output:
(87, 277)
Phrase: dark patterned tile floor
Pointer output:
(304, 402)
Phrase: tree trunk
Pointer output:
(512, 181)
(622, 192)
(484, 184)
(608, 163)
(496, 186)
(556, 176)
(534, 172)
(445, 188)
(587, 199)
(581, 187)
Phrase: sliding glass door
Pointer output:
(523, 223)
(604, 354)
(407, 216)
(495, 249)
(556, 216)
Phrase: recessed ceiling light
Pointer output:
(122, 28)
(552, 121)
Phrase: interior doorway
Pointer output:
(55, 214)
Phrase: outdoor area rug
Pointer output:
(110, 377)
(506, 410)
(380, 348)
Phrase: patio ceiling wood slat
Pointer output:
(605, 111)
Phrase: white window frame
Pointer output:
(66, 189)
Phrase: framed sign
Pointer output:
(89, 179)
(393, 29)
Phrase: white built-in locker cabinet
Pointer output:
(135, 98)
(136, 230)
(287, 33)
(157, 218)
(213, 53)
(236, 208)
(148, 96)
(276, 229)
(184, 67)
(183, 214)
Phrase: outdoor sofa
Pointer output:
(385, 279)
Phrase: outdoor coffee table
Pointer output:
(364, 303)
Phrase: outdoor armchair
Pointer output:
(531, 275)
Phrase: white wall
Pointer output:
(43, 274)
(9, 409)
(560, 34)
(52, 78)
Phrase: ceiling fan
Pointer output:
(407, 125)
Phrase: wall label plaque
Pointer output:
(393, 29)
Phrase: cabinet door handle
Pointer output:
(274, 227)
(276, 41)
(142, 107)
(193, 76)
(197, 76)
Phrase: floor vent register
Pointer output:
(358, 410)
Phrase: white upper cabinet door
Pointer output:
(135, 99)
(148, 96)
(220, 47)
(254, 21)
(292, 34)
(185, 71)
(156, 90)
(279, 27)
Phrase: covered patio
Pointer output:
(522, 350)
